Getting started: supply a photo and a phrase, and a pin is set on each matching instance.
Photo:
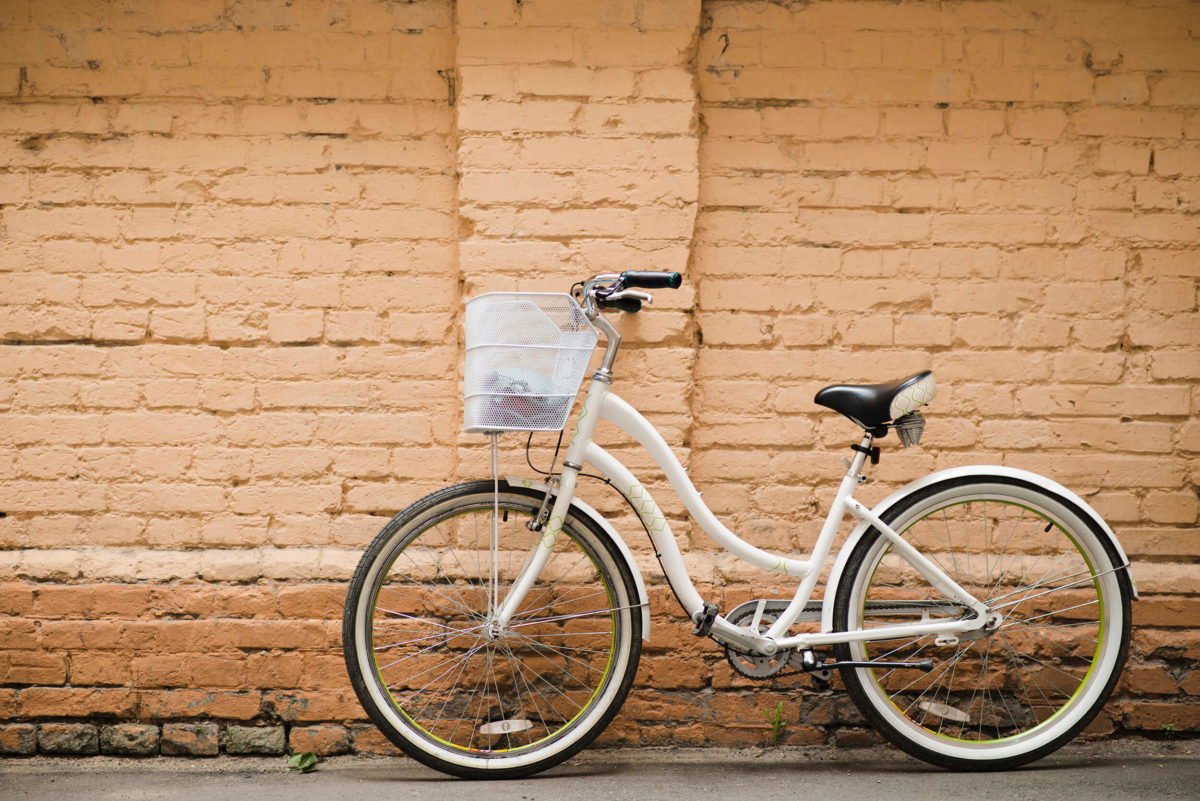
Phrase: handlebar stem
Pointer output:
(612, 285)
(612, 341)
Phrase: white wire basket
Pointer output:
(526, 356)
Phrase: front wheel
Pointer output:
(1000, 698)
(446, 684)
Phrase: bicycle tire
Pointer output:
(479, 704)
(1021, 692)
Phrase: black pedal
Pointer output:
(705, 616)
(817, 669)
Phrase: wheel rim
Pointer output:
(1032, 679)
(461, 686)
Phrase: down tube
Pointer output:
(660, 532)
(631, 422)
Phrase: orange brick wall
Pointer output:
(236, 236)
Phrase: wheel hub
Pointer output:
(493, 631)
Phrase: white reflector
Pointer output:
(943, 711)
(507, 726)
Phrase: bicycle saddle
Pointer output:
(872, 405)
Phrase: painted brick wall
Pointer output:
(236, 236)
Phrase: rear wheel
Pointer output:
(1013, 695)
(454, 691)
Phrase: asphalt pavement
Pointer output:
(1080, 772)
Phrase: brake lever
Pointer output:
(629, 293)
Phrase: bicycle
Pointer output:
(979, 616)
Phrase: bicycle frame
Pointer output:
(601, 404)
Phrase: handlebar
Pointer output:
(646, 279)
(617, 290)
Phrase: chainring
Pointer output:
(756, 666)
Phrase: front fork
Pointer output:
(549, 534)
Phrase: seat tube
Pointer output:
(585, 425)
(833, 521)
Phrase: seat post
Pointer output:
(862, 451)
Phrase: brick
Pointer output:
(370, 741)
(32, 667)
(514, 45)
(1174, 365)
(305, 707)
(1037, 123)
(97, 669)
(1061, 86)
(1123, 158)
(181, 703)
(164, 290)
(1153, 716)
(1177, 89)
(671, 83)
(1177, 161)
(1167, 262)
(1131, 123)
(975, 123)
(320, 740)
(1121, 89)
(296, 326)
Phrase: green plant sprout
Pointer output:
(1170, 729)
(305, 762)
(777, 721)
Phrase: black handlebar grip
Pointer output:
(651, 279)
(631, 305)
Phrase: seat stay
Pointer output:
(926, 567)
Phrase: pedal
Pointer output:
(704, 619)
(818, 670)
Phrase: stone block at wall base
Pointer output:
(18, 739)
(130, 739)
(191, 739)
(254, 740)
(68, 738)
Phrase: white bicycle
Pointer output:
(979, 616)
